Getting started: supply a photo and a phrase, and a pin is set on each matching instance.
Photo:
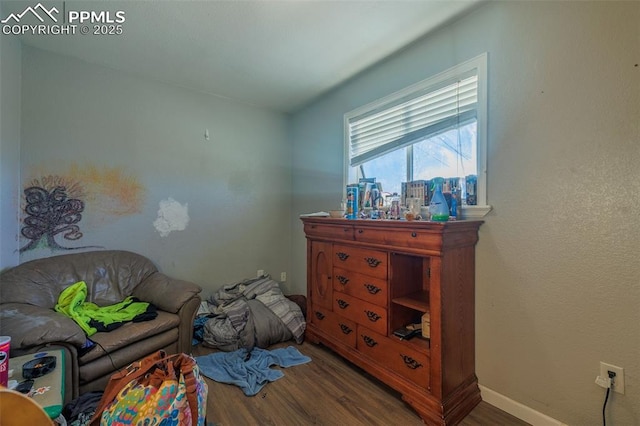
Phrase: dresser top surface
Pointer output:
(456, 225)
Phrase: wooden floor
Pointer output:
(326, 391)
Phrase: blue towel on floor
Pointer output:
(249, 370)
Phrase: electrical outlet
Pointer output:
(283, 276)
(618, 380)
(260, 272)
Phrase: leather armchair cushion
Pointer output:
(32, 325)
(128, 334)
(104, 366)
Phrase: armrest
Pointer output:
(165, 293)
(187, 314)
(30, 325)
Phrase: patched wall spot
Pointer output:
(172, 216)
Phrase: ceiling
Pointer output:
(272, 54)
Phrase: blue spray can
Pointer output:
(352, 201)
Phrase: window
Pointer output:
(435, 128)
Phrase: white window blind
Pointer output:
(410, 119)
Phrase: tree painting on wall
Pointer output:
(55, 204)
(50, 213)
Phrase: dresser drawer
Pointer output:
(368, 314)
(369, 289)
(373, 263)
(395, 355)
(329, 231)
(340, 328)
(413, 238)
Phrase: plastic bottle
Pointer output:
(352, 201)
(394, 211)
(438, 207)
(454, 205)
(456, 200)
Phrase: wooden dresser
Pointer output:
(366, 278)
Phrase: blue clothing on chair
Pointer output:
(249, 370)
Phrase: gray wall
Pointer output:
(82, 121)
(10, 66)
(557, 287)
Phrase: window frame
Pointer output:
(479, 64)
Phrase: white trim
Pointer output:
(517, 409)
(475, 212)
(480, 63)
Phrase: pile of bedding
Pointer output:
(250, 313)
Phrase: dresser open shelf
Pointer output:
(418, 301)
(367, 278)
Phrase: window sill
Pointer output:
(475, 212)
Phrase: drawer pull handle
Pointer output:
(369, 341)
(373, 289)
(410, 362)
(319, 315)
(373, 317)
(360, 231)
(413, 234)
(345, 328)
(342, 256)
(343, 280)
(342, 304)
(372, 261)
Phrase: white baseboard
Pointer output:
(517, 409)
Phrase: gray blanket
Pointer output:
(252, 313)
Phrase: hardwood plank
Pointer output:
(326, 391)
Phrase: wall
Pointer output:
(557, 279)
(10, 64)
(128, 147)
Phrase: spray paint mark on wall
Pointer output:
(110, 191)
(172, 216)
(54, 204)
(50, 210)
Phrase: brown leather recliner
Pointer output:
(30, 291)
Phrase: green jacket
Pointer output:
(93, 318)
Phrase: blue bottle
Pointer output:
(438, 207)
(352, 201)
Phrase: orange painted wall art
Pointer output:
(55, 204)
